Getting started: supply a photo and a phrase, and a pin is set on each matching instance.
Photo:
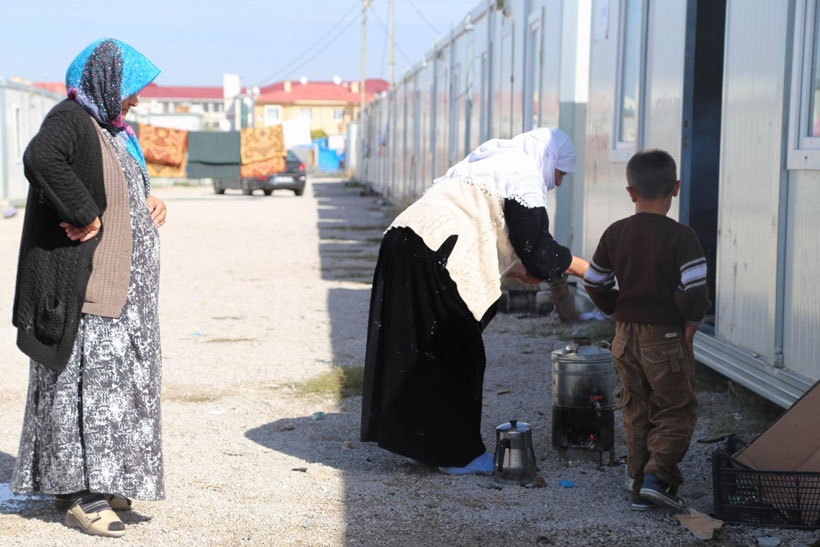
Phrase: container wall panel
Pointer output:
(458, 98)
(663, 94)
(553, 35)
(519, 16)
(477, 80)
(542, 36)
(571, 94)
(372, 164)
(503, 74)
(399, 126)
(424, 163)
(801, 344)
(605, 199)
(750, 173)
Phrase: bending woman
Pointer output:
(436, 286)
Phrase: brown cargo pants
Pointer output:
(657, 398)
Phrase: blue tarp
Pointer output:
(328, 160)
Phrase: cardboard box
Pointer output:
(790, 444)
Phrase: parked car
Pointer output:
(292, 178)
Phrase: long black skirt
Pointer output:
(424, 363)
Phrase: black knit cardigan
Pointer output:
(63, 164)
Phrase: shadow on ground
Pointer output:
(351, 223)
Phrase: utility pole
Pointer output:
(360, 165)
(392, 43)
(365, 5)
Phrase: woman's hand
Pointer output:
(519, 272)
(157, 209)
(82, 233)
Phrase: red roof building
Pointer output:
(327, 106)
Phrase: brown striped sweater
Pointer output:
(660, 270)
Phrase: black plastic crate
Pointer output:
(767, 499)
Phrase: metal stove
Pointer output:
(583, 384)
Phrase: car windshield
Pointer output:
(292, 156)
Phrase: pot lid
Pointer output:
(575, 349)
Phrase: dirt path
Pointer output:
(258, 293)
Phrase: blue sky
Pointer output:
(195, 42)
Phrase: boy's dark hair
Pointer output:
(651, 173)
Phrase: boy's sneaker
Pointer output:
(660, 493)
(637, 503)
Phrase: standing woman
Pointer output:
(435, 288)
(85, 305)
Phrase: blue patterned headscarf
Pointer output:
(102, 76)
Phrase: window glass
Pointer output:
(804, 109)
(629, 72)
(273, 114)
(814, 87)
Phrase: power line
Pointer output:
(299, 59)
(417, 10)
(386, 40)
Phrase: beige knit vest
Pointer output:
(108, 286)
(483, 249)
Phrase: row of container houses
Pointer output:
(22, 109)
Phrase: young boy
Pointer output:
(661, 297)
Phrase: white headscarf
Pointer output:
(521, 168)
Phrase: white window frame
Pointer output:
(803, 150)
(306, 114)
(272, 114)
(621, 151)
(338, 114)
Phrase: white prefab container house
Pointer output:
(729, 87)
(509, 66)
(768, 295)
(22, 109)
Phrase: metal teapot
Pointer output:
(514, 461)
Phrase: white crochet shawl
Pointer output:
(468, 201)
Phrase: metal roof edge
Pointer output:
(9, 84)
(779, 385)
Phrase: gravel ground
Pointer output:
(261, 292)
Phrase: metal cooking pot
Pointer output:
(583, 377)
(514, 461)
